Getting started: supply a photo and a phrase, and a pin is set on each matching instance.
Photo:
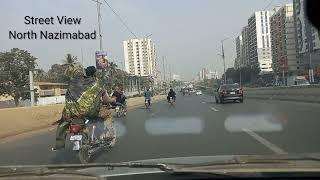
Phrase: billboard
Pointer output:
(101, 60)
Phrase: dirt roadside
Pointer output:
(16, 121)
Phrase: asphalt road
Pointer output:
(193, 126)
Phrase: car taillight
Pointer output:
(75, 128)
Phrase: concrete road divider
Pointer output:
(309, 93)
(23, 119)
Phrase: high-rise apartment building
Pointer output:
(307, 38)
(260, 41)
(239, 46)
(140, 57)
(283, 40)
(245, 47)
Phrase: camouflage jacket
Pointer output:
(83, 97)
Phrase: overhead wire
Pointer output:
(120, 18)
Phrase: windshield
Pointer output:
(88, 81)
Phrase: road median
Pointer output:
(24, 119)
(310, 94)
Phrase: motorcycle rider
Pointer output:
(147, 96)
(118, 93)
(84, 98)
(171, 94)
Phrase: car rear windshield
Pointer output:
(230, 86)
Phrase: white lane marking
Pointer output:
(265, 142)
(214, 109)
(203, 102)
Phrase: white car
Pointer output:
(198, 92)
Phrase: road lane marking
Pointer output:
(214, 109)
(265, 142)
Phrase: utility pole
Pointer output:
(164, 75)
(82, 58)
(224, 62)
(170, 72)
(31, 88)
(99, 23)
(122, 67)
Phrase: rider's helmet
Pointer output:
(90, 71)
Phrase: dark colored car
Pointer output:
(229, 92)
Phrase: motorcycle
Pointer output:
(171, 100)
(146, 102)
(85, 135)
(120, 110)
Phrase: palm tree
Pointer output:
(112, 68)
(69, 59)
(71, 66)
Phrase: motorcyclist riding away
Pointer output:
(147, 96)
(84, 98)
(118, 93)
(171, 94)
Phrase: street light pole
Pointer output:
(224, 62)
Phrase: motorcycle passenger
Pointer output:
(171, 94)
(84, 98)
(147, 96)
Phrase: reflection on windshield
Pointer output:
(167, 126)
(254, 122)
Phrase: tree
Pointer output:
(40, 75)
(56, 74)
(248, 74)
(71, 67)
(69, 59)
(112, 68)
(14, 68)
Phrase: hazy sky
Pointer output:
(186, 32)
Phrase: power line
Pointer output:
(121, 20)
